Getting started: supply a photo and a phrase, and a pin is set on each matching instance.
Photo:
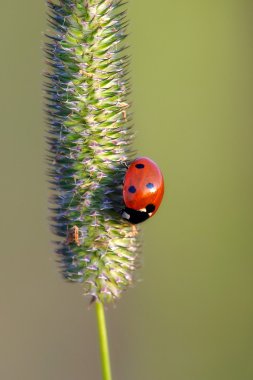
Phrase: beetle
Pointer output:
(143, 190)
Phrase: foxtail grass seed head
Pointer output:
(90, 144)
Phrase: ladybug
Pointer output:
(142, 190)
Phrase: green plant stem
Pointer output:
(104, 349)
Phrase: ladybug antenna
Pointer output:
(124, 163)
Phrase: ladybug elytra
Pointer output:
(142, 190)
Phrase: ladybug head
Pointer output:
(137, 216)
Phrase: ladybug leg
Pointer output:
(126, 166)
(133, 233)
(134, 230)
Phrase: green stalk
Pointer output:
(104, 349)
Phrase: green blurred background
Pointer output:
(190, 317)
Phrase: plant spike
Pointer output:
(90, 143)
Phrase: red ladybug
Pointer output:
(142, 190)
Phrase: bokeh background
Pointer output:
(190, 317)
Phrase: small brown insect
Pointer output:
(124, 115)
(123, 106)
(73, 236)
(83, 72)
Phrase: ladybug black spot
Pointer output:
(132, 189)
(150, 208)
(149, 185)
(139, 166)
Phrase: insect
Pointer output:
(142, 190)
(73, 236)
